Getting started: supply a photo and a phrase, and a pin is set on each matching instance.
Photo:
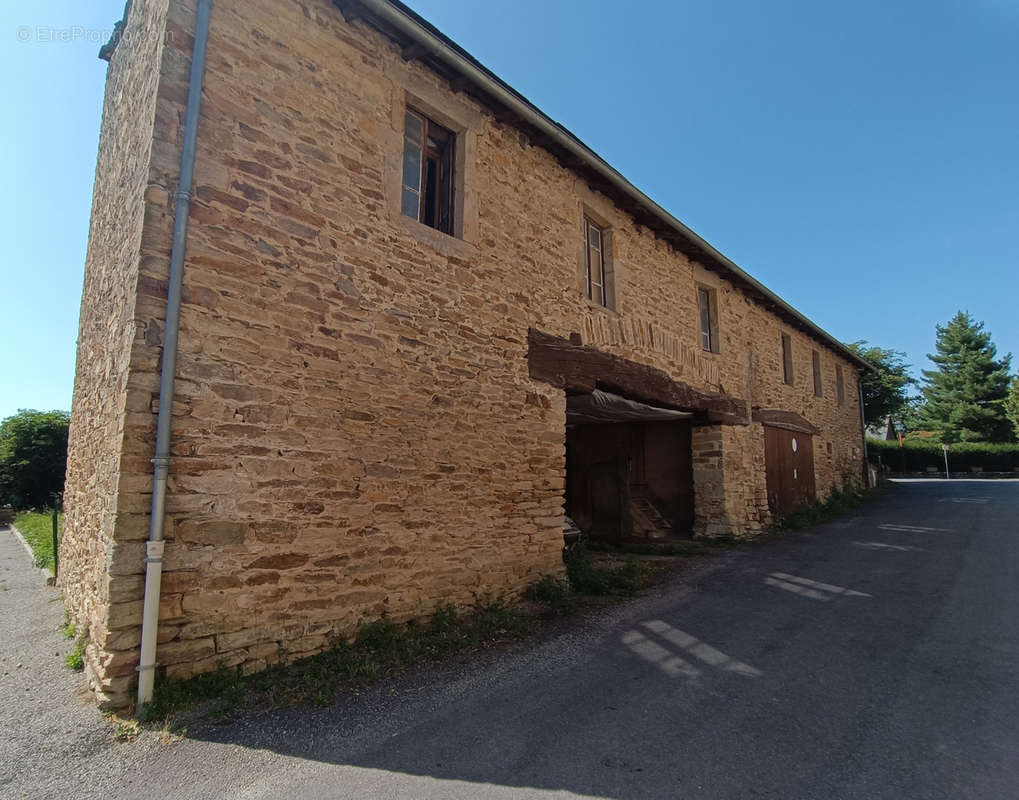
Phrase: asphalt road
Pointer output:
(874, 657)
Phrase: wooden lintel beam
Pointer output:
(789, 420)
(577, 368)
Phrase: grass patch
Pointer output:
(75, 660)
(380, 648)
(37, 528)
(554, 593)
(549, 589)
(652, 548)
(587, 579)
(838, 502)
(599, 580)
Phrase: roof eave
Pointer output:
(434, 44)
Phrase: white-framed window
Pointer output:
(428, 164)
(596, 289)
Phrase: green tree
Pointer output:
(33, 457)
(913, 414)
(1012, 405)
(965, 395)
(884, 388)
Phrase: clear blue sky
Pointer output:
(860, 159)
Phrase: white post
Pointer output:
(948, 475)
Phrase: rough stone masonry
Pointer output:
(355, 432)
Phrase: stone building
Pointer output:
(420, 323)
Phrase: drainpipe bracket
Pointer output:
(154, 551)
(140, 668)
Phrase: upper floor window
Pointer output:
(815, 358)
(428, 172)
(787, 359)
(594, 264)
(840, 385)
(707, 308)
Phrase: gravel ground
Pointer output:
(48, 729)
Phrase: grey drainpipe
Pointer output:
(154, 546)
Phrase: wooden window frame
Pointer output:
(815, 363)
(598, 276)
(441, 194)
(707, 318)
(788, 375)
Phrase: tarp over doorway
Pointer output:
(601, 407)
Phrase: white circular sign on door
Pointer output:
(796, 445)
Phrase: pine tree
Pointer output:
(965, 395)
(1012, 405)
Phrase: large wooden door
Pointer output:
(668, 472)
(608, 465)
(789, 464)
(597, 479)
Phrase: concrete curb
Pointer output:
(31, 553)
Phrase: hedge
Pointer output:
(917, 456)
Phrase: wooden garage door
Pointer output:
(789, 462)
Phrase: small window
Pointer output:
(428, 172)
(829, 450)
(815, 358)
(787, 359)
(707, 307)
(840, 385)
(594, 263)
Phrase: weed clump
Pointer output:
(837, 503)
(379, 648)
(549, 590)
(590, 579)
(587, 579)
(75, 660)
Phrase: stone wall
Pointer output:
(97, 469)
(355, 432)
